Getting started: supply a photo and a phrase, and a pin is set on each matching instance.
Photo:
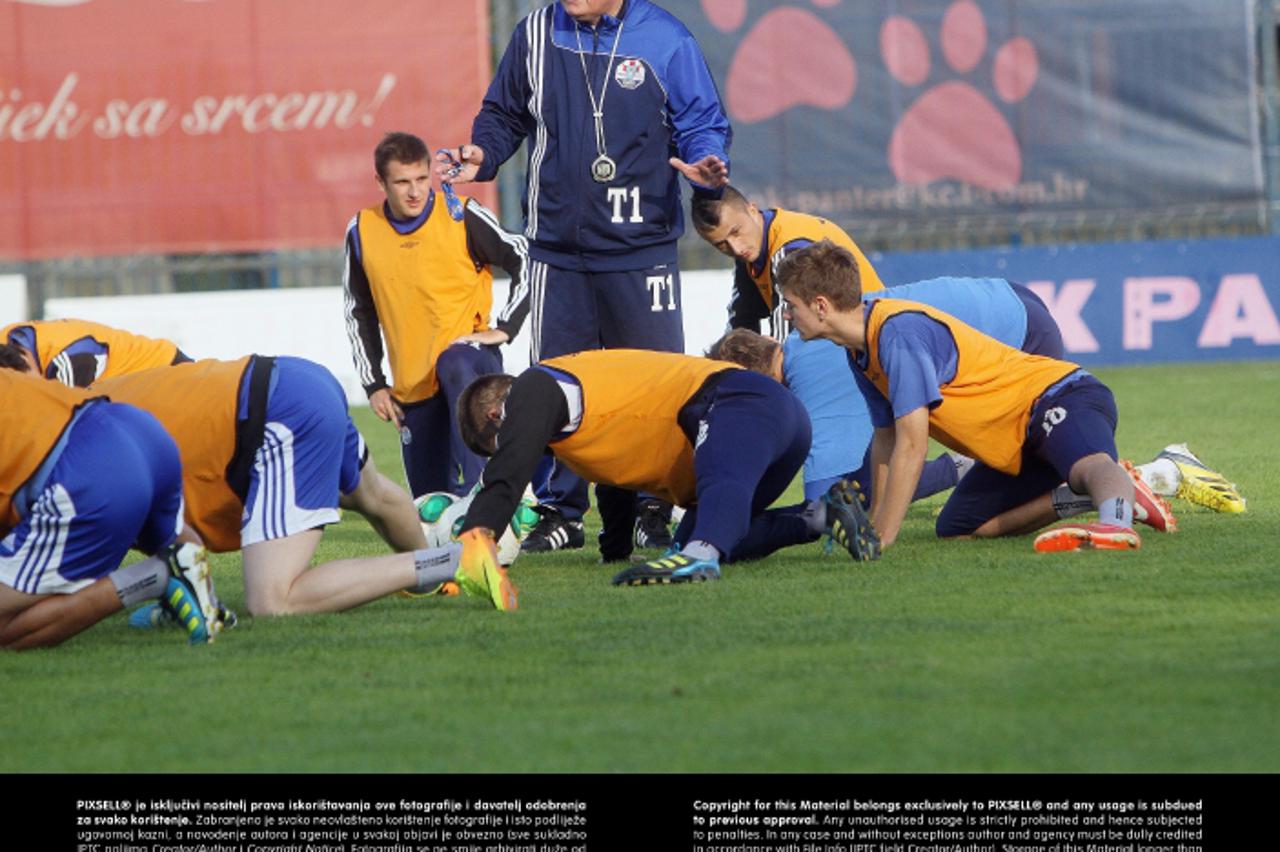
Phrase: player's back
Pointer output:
(629, 434)
(117, 352)
(33, 419)
(988, 304)
(789, 230)
(197, 403)
(986, 403)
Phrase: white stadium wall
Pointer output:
(13, 298)
(308, 322)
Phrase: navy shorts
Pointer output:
(751, 436)
(431, 447)
(1043, 336)
(1074, 419)
(572, 311)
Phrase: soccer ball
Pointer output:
(442, 515)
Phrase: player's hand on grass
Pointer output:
(385, 407)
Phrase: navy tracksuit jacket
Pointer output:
(660, 102)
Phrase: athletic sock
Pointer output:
(937, 475)
(435, 565)
(1162, 476)
(701, 550)
(1068, 503)
(1117, 511)
(141, 581)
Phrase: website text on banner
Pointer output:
(927, 114)
(164, 126)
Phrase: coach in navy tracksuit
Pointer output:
(615, 99)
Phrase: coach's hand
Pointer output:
(457, 165)
(710, 171)
(386, 407)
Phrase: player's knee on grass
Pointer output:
(958, 524)
(272, 569)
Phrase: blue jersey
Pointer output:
(814, 371)
(988, 304)
(658, 99)
(919, 356)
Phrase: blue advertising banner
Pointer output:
(925, 112)
(1135, 303)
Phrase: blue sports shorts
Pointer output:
(115, 482)
(311, 454)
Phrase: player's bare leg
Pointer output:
(1111, 489)
(1102, 479)
(277, 580)
(388, 509)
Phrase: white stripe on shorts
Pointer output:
(33, 567)
(274, 512)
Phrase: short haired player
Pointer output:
(1030, 422)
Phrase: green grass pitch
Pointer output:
(941, 657)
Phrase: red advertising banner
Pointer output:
(178, 126)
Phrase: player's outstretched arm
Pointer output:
(910, 445)
(878, 465)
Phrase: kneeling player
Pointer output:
(77, 353)
(82, 480)
(269, 454)
(720, 441)
(1031, 422)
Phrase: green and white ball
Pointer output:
(442, 515)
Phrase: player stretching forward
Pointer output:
(269, 454)
(758, 241)
(82, 480)
(721, 441)
(1030, 422)
(78, 353)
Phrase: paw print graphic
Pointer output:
(953, 130)
(789, 58)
